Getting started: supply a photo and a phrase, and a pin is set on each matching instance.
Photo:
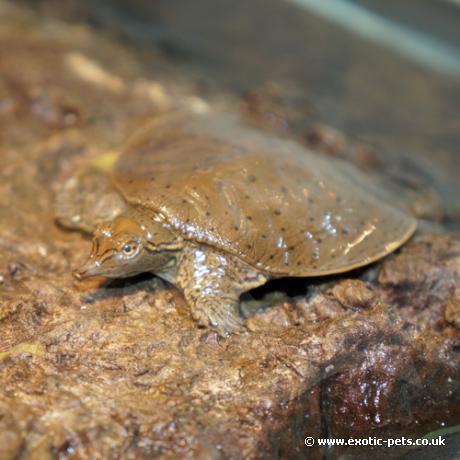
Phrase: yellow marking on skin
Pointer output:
(36, 349)
(166, 246)
(151, 247)
(105, 161)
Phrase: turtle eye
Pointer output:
(129, 249)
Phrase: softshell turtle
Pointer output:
(217, 209)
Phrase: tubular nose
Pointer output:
(79, 274)
(87, 270)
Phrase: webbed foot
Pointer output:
(212, 282)
(220, 315)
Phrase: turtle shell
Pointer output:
(269, 201)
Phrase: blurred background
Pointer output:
(386, 72)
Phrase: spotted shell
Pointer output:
(273, 203)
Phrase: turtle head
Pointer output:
(126, 246)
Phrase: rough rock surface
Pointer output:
(120, 370)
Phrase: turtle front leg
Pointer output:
(212, 282)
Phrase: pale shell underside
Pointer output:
(271, 202)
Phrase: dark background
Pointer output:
(407, 110)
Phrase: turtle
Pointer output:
(217, 208)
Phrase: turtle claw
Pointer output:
(220, 317)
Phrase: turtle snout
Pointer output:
(90, 268)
